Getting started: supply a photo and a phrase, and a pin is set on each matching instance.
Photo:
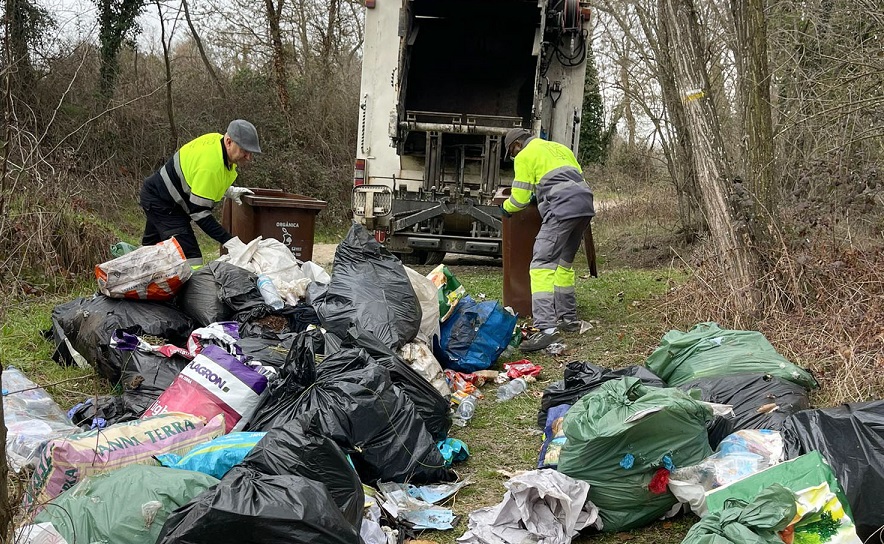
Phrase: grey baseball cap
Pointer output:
(513, 136)
(244, 134)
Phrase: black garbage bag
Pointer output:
(88, 323)
(581, 377)
(432, 407)
(269, 351)
(265, 322)
(238, 287)
(200, 297)
(760, 401)
(97, 412)
(248, 507)
(358, 406)
(369, 288)
(851, 438)
(298, 448)
(144, 377)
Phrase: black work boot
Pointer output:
(538, 341)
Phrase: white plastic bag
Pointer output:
(428, 298)
(148, 273)
(420, 357)
(275, 259)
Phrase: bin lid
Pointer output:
(284, 200)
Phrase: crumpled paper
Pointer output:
(542, 506)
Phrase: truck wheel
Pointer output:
(434, 257)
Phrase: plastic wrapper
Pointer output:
(82, 329)
(475, 335)
(520, 369)
(620, 435)
(149, 273)
(126, 506)
(851, 437)
(582, 377)
(370, 289)
(708, 351)
(760, 401)
(32, 419)
(449, 291)
(553, 437)
(248, 506)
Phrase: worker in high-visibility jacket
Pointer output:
(198, 176)
(548, 173)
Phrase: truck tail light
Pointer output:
(380, 236)
(369, 3)
(359, 173)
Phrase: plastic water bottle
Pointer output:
(511, 389)
(465, 411)
(269, 292)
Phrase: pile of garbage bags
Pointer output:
(223, 425)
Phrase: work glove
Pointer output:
(503, 212)
(235, 193)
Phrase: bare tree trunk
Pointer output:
(202, 51)
(273, 16)
(754, 87)
(169, 110)
(626, 85)
(710, 160)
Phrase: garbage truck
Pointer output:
(442, 83)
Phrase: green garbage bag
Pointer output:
(126, 506)
(121, 248)
(620, 436)
(708, 350)
(741, 522)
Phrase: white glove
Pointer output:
(235, 193)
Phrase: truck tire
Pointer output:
(420, 256)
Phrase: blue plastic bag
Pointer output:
(475, 335)
(215, 457)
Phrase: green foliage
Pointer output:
(117, 19)
(593, 144)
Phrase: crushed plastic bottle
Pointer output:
(465, 411)
(509, 390)
(269, 292)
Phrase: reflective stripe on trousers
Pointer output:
(552, 273)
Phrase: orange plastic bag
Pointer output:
(149, 273)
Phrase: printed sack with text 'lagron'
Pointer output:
(215, 382)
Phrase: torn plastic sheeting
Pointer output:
(32, 419)
(126, 506)
(86, 325)
(256, 508)
(542, 506)
(401, 503)
(760, 401)
(370, 289)
(851, 438)
(581, 377)
(298, 448)
(475, 335)
(707, 351)
(360, 408)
